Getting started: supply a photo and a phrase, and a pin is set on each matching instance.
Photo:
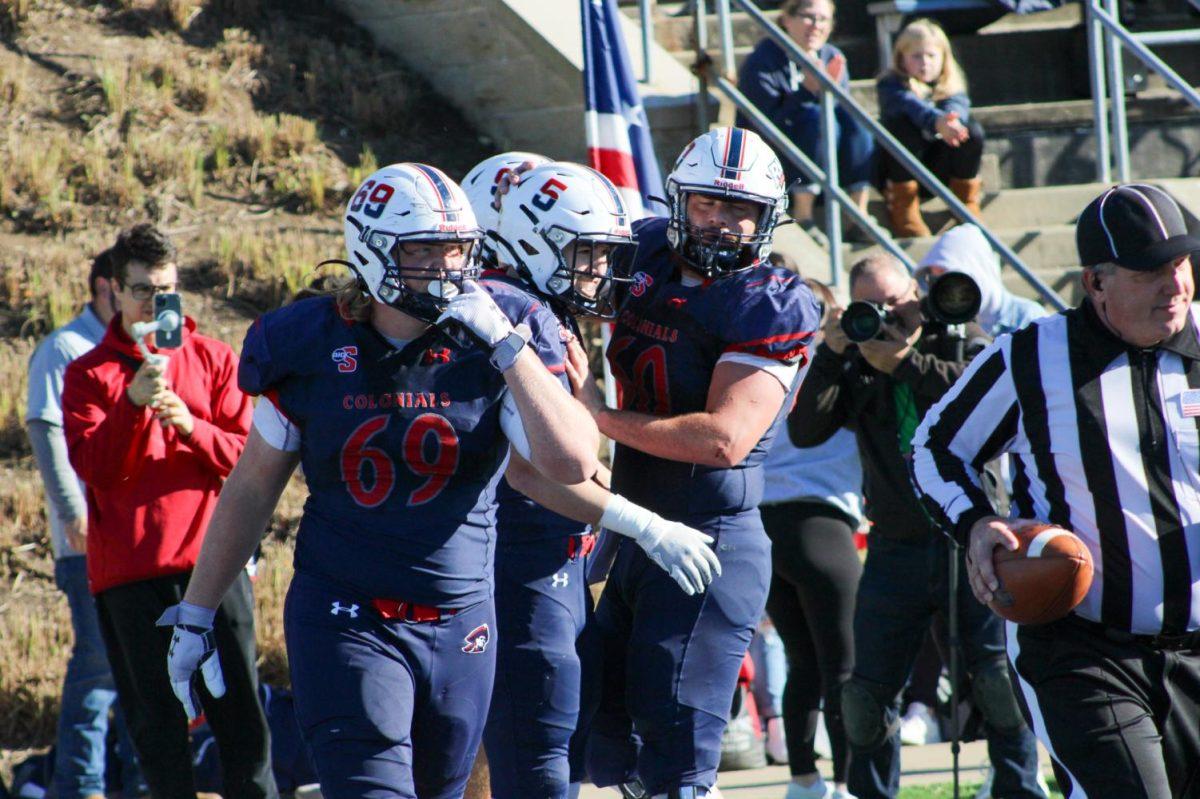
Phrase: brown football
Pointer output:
(1045, 578)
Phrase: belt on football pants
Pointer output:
(391, 609)
(1171, 643)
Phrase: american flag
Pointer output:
(618, 135)
(1189, 402)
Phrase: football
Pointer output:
(1044, 578)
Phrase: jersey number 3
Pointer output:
(370, 475)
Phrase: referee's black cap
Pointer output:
(1134, 225)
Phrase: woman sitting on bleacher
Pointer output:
(790, 97)
(923, 102)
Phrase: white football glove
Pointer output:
(192, 647)
(679, 550)
(475, 310)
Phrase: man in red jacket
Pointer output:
(153, 444)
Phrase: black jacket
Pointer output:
(846, 391)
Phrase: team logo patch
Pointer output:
(477, 640)
(1189, 402)
(346, 358)
(641, 282)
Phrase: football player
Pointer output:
(389, 620)
(705, 349)
(485, 185)
(558, 231)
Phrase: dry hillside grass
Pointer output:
(239, 126)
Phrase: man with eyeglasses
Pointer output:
(153, 440)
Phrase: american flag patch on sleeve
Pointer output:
(1189, 402)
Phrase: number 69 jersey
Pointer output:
(401, 449)
(667, 341)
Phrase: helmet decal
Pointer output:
(557, 228)
(443, 191)
(735, 151)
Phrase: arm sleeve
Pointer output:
(62, 486)
(513, 427)
(275, 428)
(43, 397)
(219, 442)
(972, 424)
(763, 84)
(958, 104)
(820, 407)
(931, 376)
(784, 372)
(104, 437)
(897, 100)
(774, 317)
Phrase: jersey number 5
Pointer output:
(370, 475)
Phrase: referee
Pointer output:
(1100, 408)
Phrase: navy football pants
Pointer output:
(669, 662)
(390, 709)
(542, 605)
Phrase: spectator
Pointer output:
(811, 507)
(88, 693)
(790, 97)
(880, 389)
(923, 102)
(964, 249)
(153, 442)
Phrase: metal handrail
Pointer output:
(1106, 29)
(837, 94)
(646, 15)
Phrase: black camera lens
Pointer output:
(863, 321)
(954, 298)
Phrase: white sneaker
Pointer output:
(821, 746)
(776, 741)
(985, 790)
(917, 725)
(818, 790)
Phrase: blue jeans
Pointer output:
(88, 694)
(904, 584)
(855, 147)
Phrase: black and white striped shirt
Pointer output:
(1104, 442)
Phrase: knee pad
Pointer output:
(994, 694)
(864, 715)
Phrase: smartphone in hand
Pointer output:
(168, 336)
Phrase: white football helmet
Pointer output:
(730, 164)
(404, 203)
(480, 185)
(555, 206)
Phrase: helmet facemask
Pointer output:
(428, 301)
(577, 267)
(715, 253)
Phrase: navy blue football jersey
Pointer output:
(401, 449)
(666, 343)
(519, 518)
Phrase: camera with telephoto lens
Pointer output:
(953, 299)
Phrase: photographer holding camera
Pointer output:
(153, 437)
(885, 361)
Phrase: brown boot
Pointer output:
(904, 209)
(968, 190)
